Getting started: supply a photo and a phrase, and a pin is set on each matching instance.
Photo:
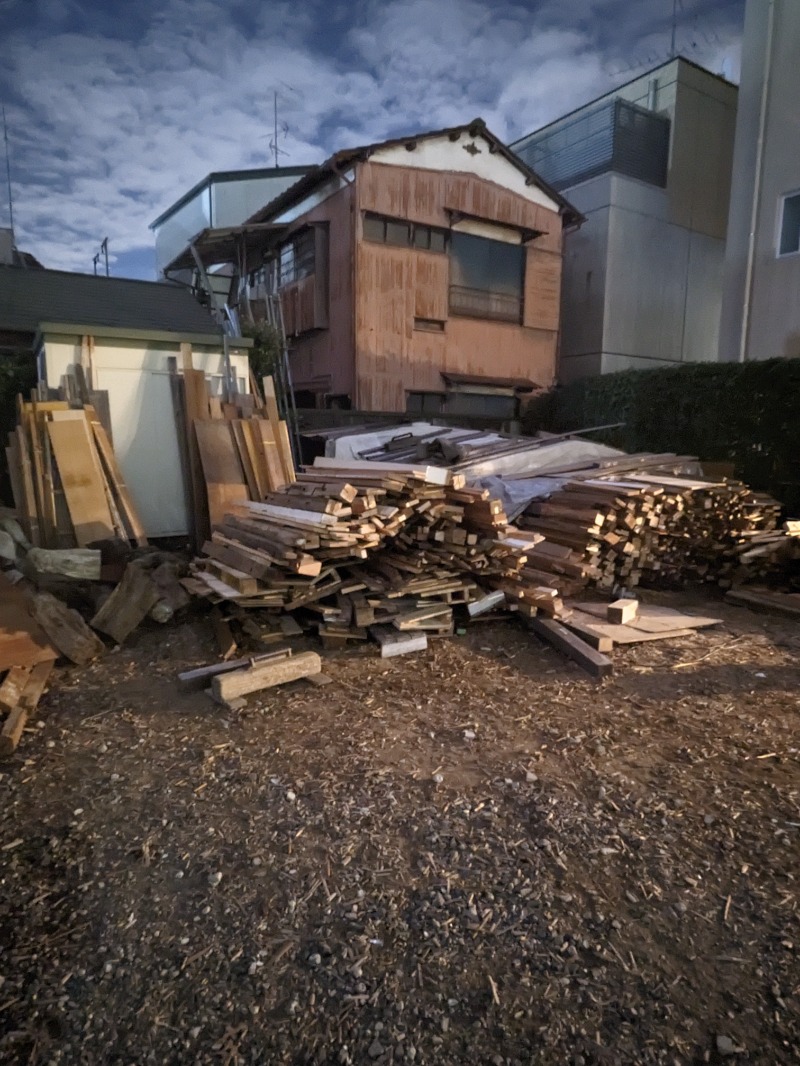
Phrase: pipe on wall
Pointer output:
(751, 241)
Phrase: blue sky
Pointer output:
(115, 108)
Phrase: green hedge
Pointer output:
(744, 413)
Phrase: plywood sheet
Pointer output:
(222, 469)
(81, 481)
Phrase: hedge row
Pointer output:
(747, 414)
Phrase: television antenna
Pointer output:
(277, 128)
(102, 253)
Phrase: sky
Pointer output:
(115, 108)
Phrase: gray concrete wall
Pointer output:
(766, 307)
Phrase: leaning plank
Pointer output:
(486, 603)
(124, 500)
(81, 480)
(128, 604)
(594, 662)
(28, 492)
(32, 693)
(226, 642)
(66, 629)
(240, 682)
(222, 469)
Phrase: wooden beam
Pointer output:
(594, 662)
(241, 682)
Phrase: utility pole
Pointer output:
(8, 175)
(275, 112)
(674, 28)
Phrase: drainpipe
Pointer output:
(751, 243)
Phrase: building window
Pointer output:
(297, 258)
(402, 234)
(486, 278)
(424, 403)
(789, 235)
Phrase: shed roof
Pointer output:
(344, 159)
(30, 297)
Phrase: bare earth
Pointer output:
(474, 855)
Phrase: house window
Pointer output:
(424, 403)
(789, 235)
(486, 278)
(297, 258)
(403, 234)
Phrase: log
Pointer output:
(228, 686)
(66, 629)
(127, 605)
(81, 563)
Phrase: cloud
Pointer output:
(113, 118)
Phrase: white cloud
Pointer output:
(106, 133)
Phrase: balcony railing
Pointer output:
(478, 303)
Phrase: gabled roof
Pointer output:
(345, 159)
(30, 297)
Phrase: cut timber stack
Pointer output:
(652, 528)
(67, 485)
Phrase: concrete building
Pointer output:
(649, 165)
(761, 306)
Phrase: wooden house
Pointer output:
(417, 270)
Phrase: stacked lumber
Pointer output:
(67, 485)
(653, 528)
(231, 451)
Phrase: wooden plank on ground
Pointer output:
(222, 469)
(265, 675)
(128, 605)
(81, 480)
(392, 642)
(764, 600)
(32, 693)
(594, 662)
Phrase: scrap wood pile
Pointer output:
(67, 485)
(365, 550)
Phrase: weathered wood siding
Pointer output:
(323, 360)
(396, 285)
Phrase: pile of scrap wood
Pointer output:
(358, 550)
(230, 451)
(67, 485)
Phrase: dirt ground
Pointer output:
(473, 855)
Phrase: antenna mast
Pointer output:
(8, 174)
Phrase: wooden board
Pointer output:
(29, 512)
(128, 604)
(29, 698)
(115, 478)
(594, 662)
(222, 469)
(271, 458)
(241, 682)
(81, 480)
(245, 458)
(23, 642)
(66, 630)
(651, 618)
